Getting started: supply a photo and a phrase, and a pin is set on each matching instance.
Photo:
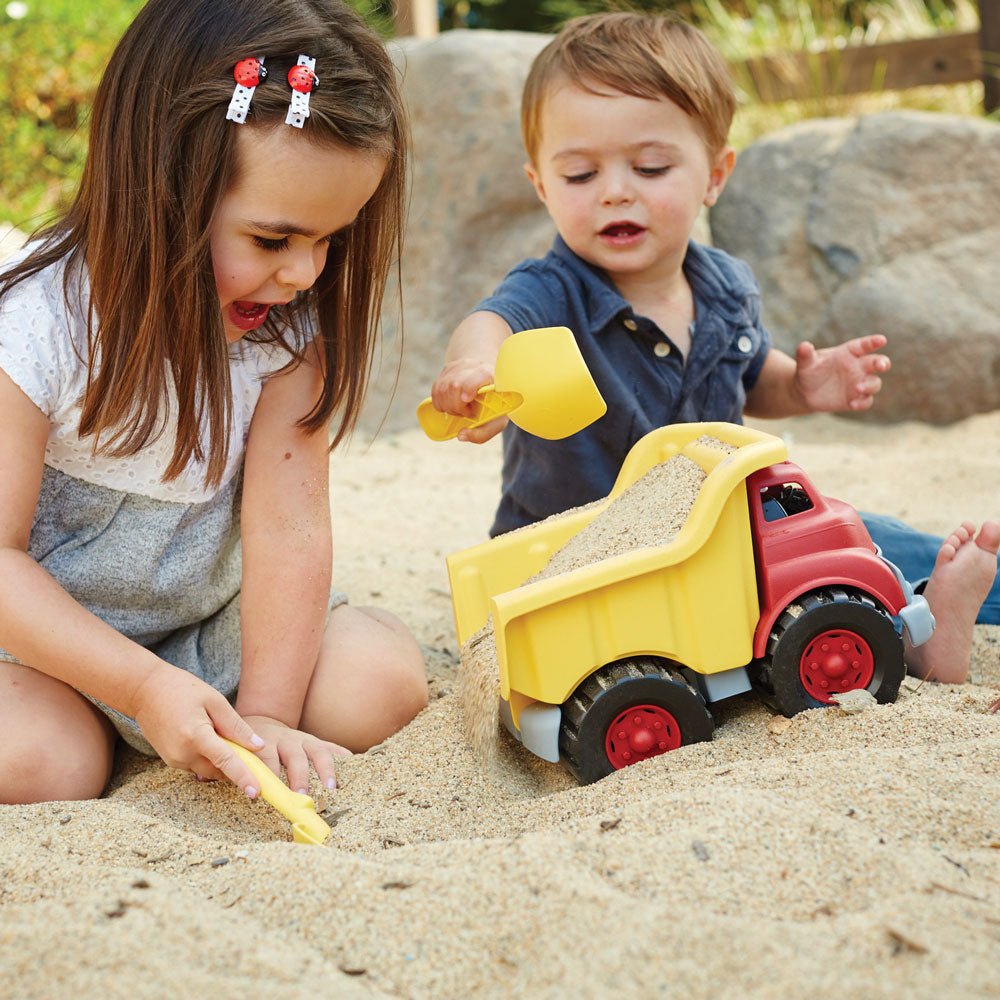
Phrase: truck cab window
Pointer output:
(784, 500)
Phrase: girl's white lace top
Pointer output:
(42, 344)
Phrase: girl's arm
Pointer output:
(287, 568)
(48, 630)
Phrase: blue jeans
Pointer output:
(914, 553)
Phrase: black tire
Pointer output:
(865, 651)
(658, 692)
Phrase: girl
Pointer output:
(171, 354)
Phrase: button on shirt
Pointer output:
(643, 378)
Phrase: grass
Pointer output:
(54, 54)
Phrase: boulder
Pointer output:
(888, 223)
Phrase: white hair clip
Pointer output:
(303, 82)
(248, 73)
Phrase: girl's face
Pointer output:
(270, 232)
(624, 179)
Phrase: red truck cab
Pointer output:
(814, 552)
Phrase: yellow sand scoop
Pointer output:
(299, 809)
(540, 379)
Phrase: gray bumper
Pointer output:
(539, 730)
(916, 617)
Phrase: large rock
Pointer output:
(884, 224)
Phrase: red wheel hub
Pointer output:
(834, 662)
(639, 733)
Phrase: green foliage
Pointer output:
(52, 59)
(378, 13)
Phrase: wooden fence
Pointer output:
(949, 58)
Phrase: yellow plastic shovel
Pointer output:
(540, 379)
(299, 809)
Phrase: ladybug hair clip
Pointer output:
(303, 82)
(248, 73)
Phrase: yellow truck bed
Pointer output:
(693, 599)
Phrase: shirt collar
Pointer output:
(604, 301)
(719, 282)
(709, 273)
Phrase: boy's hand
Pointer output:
(454, 391)
(845, 377)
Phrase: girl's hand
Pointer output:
(296, 750)
(183, 718)
(845, 377)
(454, 391)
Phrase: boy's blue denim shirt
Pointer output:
(641, 374)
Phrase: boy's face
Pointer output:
(624, 179)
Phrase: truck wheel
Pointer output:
(626, 712)
(828, 642)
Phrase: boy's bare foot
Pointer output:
(962, 576)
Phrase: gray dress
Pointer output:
(159, 562)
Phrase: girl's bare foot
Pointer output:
(962, 576)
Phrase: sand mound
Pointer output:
(838, 855)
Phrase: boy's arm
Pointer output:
(469, 363)
(845, 377)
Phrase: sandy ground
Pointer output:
(844, 855)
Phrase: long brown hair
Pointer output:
(161, 156)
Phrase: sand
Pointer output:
(831, 855)
(628, 523)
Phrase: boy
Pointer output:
(625, 119)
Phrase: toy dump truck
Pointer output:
(768, 585)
